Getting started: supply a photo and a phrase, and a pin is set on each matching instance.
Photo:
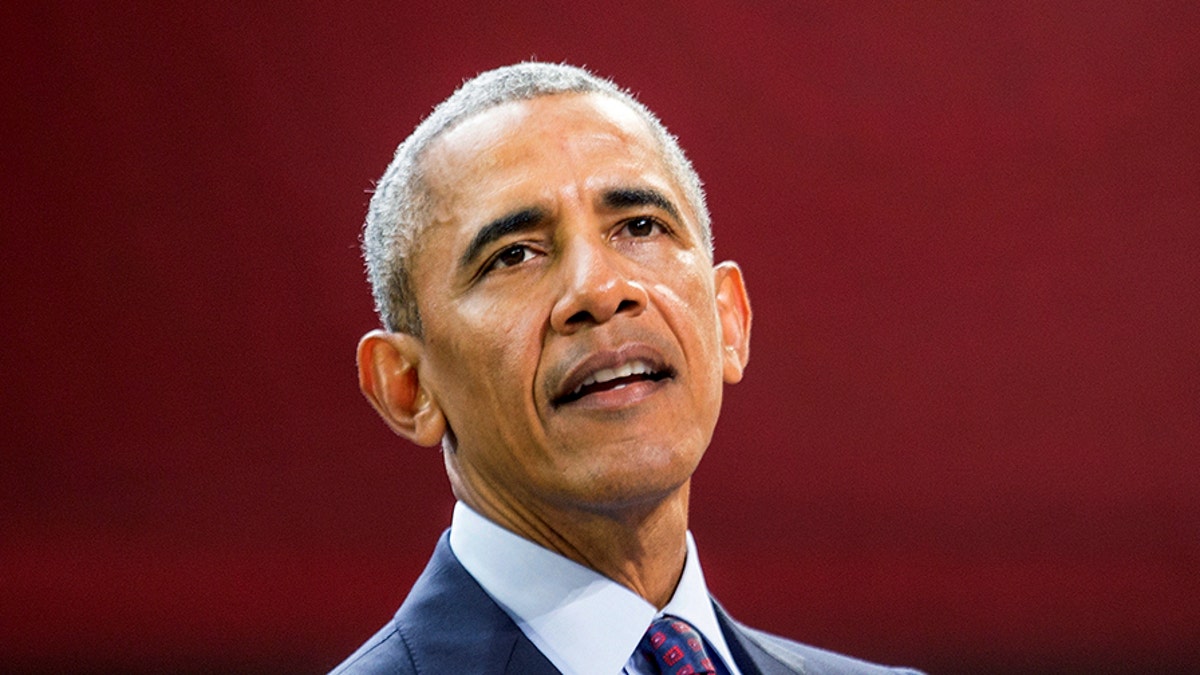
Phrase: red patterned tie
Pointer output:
(676, 648)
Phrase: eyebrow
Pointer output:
(522, 220)
(624, 198)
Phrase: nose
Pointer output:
(596, 287)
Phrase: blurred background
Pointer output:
(966, 441)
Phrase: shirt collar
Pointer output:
(581, 620)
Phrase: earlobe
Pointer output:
(389, 377)
(733, 308)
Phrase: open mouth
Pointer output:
(608, 379)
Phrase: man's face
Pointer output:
(572, 330)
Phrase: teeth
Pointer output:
(607, 374)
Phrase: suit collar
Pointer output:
(450, 625)
(754, 657)
(582, 620)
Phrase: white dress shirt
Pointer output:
(584, 622)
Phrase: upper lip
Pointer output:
(605, 365)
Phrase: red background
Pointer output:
(967, 436)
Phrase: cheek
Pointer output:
(690, 284)
(486, 358)
(496, 328)
(689, 307)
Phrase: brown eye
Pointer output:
(513, 255)
(641, 227)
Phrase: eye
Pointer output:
(510, 256)
(643, 226)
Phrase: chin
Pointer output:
(635, 485)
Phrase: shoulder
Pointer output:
(446, 624)
(815, 661)
(775, 654)
(385, 652)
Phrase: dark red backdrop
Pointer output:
(966, 440)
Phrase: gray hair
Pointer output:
(400, 207)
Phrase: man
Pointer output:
(541, 258)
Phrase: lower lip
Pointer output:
(620, 397)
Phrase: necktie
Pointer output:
(675, 647)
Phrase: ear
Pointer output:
(389, 377)
(733, 309)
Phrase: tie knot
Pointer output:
(676, 648)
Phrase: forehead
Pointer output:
(521, 145)
(538, 130)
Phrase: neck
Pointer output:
(641, 545)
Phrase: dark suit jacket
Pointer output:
(448, 624)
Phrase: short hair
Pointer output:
(400, 207)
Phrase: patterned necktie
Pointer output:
(675, 647)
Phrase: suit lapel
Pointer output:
(452, 626)
(752, 657)
(527, 659)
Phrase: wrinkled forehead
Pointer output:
(480, 159)
(512, 135)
